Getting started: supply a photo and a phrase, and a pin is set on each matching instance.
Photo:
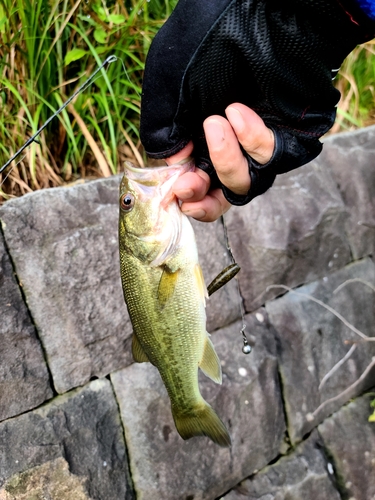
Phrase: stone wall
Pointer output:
(79, 420)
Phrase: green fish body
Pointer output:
(165, 295)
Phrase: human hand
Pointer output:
(224, 136)
(277, 58)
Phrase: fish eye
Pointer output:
(127, 202)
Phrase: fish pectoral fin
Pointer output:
(139, 354)
(167, 285)
(210, 362)
(200, 281)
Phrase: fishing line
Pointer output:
(246, 348)
(128, 77)
(83, 87)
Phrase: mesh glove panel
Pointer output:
(277, 57)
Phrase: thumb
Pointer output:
(252, 133)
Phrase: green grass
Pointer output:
(50, 47)
(356, 83)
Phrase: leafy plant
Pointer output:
(49, 48)
(356, 84)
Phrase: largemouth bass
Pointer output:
(165, 294)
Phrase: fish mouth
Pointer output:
(156, 175)
(156, 181)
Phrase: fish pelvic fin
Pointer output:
(202, 420)
(210, 362)
(139, 354)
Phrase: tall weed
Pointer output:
(48, 48)
(356, 82)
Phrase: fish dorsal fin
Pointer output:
(139, 354)
(210, 362)
(167, 285)
(200, 281)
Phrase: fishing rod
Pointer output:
(224, 276)
(83, 87)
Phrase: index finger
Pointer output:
(192, 186)
(209, 209)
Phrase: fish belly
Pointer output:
(173, 337)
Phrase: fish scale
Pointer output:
(181, 331)
(165, 294)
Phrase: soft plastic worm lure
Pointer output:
(222, 278)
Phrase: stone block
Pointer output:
(312, 340)
(65, 248)
(304, 474)
(64, 243)
(350, 158)
(84, 429)
(349, 440)
(50, 480)
(24, 379)
(291, 235)
(249, 402)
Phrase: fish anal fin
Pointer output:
(200, 281)
(210, 362)
(201, 420)
(167, 285)
(139, 354)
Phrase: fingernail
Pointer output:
(235, 118)
(184, 194)
(196, 214)
(215, 134)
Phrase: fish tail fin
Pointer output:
(202, 420)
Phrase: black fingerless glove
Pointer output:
(276, 56)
